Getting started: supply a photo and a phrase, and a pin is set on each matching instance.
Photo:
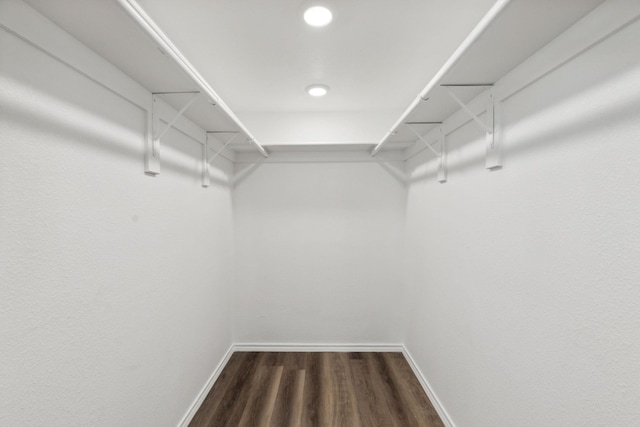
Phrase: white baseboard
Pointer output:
(206, 389)
(444, 415)
(288, 347)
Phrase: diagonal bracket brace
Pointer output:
(493, 140)
(235, 134)
(486, 127)
(442, 161)
(155, 133)
(206, 161)
(421, 138)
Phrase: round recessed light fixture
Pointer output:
(317, 90)
(317, 16)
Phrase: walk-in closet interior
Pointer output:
(442, 192)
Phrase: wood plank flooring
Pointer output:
(316, 390)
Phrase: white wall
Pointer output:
(525, 281)
(116, 300)
(319, 127)
(114, 304)
(318, 254)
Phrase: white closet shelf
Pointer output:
(511, 32)
(123, 34)
(202, 88)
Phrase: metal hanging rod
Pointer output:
(477, 32)
(163, 42)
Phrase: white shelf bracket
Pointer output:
(486, 127)
(206, 161)
(235, 134)
(206, 176)
(493, 159)
(157, 134)
(154, 133)
(421, 138)
(442, 163)
(151, 149)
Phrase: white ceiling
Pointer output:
(259, 55)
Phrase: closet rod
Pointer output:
(482, 26)
(146, 23)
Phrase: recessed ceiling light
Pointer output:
(318, 16)
(317, 90)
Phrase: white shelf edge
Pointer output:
(135, 11)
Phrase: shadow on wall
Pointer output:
(88, 125)
(396, 173)
(244, 171)
(562, 125)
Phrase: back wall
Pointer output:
(318, 251)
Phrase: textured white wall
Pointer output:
(525, 281)
(318, 254)
(114, 285)
(116, 297)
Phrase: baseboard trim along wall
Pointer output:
(444, 415)
(206, 389)
(342, 348)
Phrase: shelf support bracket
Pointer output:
(493, 159)
(151, 149)
(474, 116)
(442, 162)
(206, 161)
(235, 134)
(421, 138)
(157, 134)
(206, 176)
(154, 133)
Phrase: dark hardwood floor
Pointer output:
(317, 390)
